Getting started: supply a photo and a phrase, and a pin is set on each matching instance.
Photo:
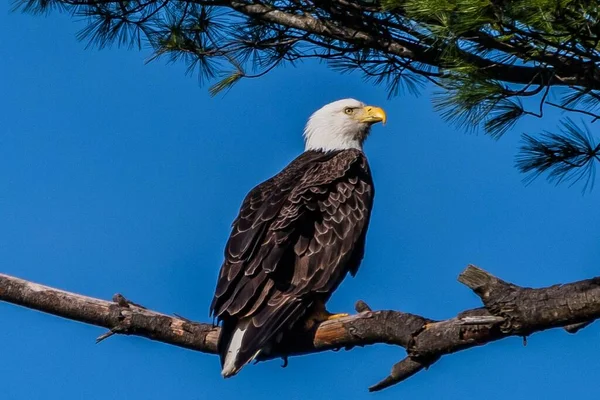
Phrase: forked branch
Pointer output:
(509, 310)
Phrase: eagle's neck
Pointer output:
(332, 135)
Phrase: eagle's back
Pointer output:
(296, 237)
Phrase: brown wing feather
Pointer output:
(294, 240)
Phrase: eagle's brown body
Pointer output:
(296, 237)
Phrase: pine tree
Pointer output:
(488, 57)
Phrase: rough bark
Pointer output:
(509, 310)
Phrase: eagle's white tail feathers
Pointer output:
(229, 365)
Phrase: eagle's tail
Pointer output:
(241, 341)
(230, 360)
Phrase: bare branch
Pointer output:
(401, 371)
(510, 310)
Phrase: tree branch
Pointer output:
(398, 47)
(371, 28)
(510, 310)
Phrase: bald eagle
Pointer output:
(296, 237)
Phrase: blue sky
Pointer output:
(117, 176)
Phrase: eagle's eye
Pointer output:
(349, 110)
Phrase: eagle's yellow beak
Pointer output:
(372, 115)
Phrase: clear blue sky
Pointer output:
(117, 176)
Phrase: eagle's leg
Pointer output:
(320, 314)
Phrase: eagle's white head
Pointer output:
(341, 125)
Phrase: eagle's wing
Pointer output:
(294, 241)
